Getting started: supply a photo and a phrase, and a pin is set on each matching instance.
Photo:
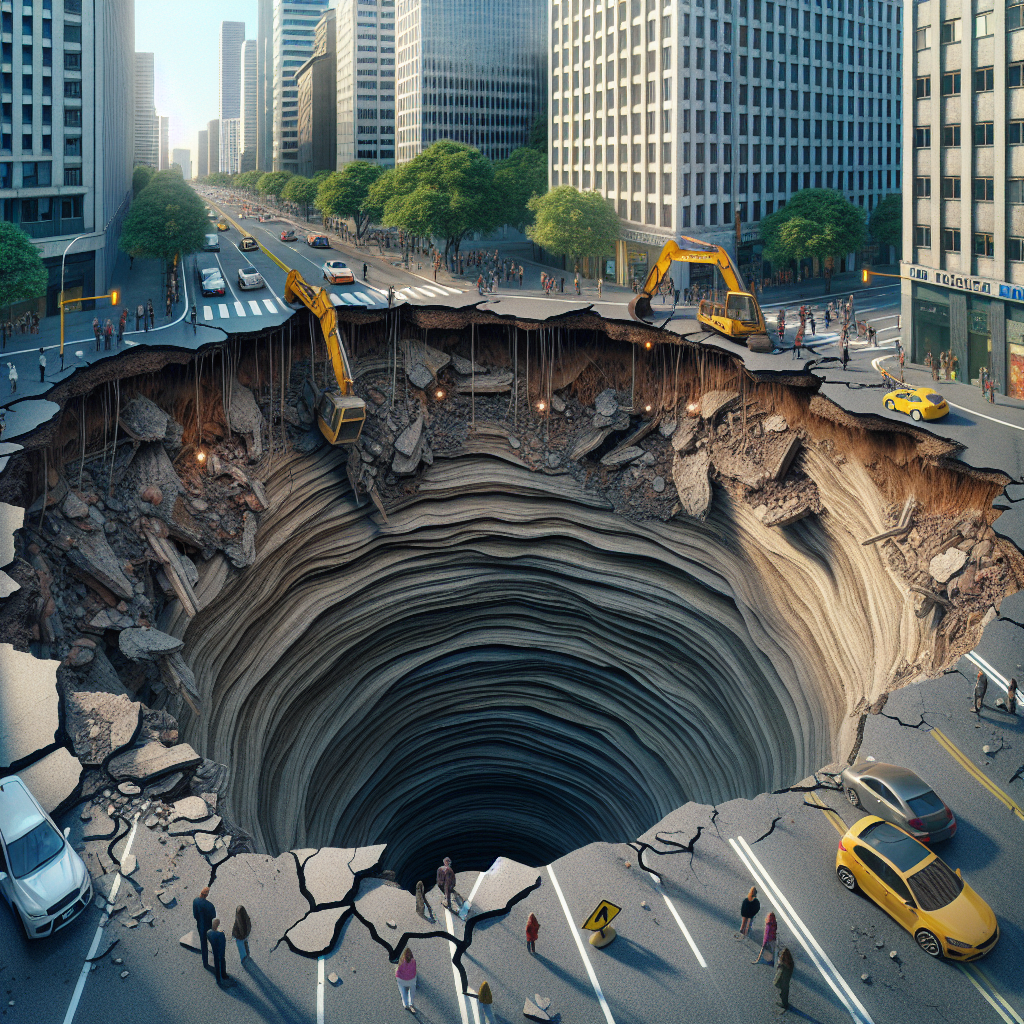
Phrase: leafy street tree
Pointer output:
(343, 193)
(519, 178)
(248, 180)
(571, 223)
(301, 191)
(219, 178)
(168, 218)
(177, 167)
(141, 177)
(539, 134)
(321, 176)
(22, 274)
(816, 222)
(272, 183)
(887, 221)
(447, 191)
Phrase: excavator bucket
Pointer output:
(640, 308)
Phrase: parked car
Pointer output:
(211, 243)
(248, 244)
(42, 879)
(898, 795)
(337, 272)
(211, 282)
(917, 890)
(287, 236)
(211, 214)
(919, 403)
(249, 277)
(318, 241)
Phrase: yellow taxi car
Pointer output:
(920, 403)
(918, 890)
(222, 225)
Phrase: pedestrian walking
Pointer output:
(783, 974)
(42, 366)
(140, 315)
(446, 881)
(1011, 692)
(748, 911)
(108, 334)
(3, 423)
(561, 286)
(422, 906)
(532, 931)
(240, 932)
(204, 912)
(798, 343)
(576, 282)
(96, 331)
(980, 689)
(486, 1001)
(219, 947)
(520, 275)
(828, 318)
(600, 283)
(814, 326)
(944, 365)
(771, 931)
(873, 336)
(151, 312)
(35, 321)
(12, 376)
(168, 303)
(846, 349)
(405, 975)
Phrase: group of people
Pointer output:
(947, 365)
(783, 964)
(27, 323)
(211, 938)
(981, 688)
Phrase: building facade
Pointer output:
(229, 85)
(165, 131)
(249, 110)
(147, 123)
(472, 72)
(294, 37)
(213, 145)
(317, 87)
(183, 158)
(67, 172)
(265, 85)
(963, 208)
(702, 118)
(230, 144)
(203, 153)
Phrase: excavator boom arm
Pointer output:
(318, 302)
(701, 253)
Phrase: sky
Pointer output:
(184, 38)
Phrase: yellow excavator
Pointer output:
(341, 413)
(738, 317)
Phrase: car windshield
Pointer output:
(248, 270)
(895, 845)
(740, 307)
(925, 803)
(34, 849)
(934, 398)
(935, 886)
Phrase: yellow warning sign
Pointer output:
(601, 917)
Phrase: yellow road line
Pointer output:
(249, 234)
(972, 769)
(976, 969)
(833, 816)
(989, 993)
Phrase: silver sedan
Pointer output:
(898, 795)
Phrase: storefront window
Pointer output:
(931, 323)
(1015, 350)
(979, 336)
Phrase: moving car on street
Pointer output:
(222, 225)
(901, 797)
(248, 244)
(318, 241)
(288, 236)
(211, 282)
(920, 403)
(917, 890)
(211, 243)
(249, 277)
(43, 880)
(337, 272)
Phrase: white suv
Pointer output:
(41, 876)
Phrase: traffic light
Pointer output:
(865, 274)
(113, 297)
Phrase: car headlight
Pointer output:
(956, 944)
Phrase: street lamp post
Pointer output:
(61, 301)
(113, 295)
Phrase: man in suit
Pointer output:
(219, 946)
(204, 912)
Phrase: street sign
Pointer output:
(601, 917)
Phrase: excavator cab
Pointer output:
(340, 417)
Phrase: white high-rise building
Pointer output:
(67, 170)
(165, 131)
(230, 139)
(183, 158)
(229, 99)
(147, 123)
(249, 112)
(265, 86)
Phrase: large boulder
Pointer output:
(245, 418)
(144, 420)
(945, 566)
(93, 561)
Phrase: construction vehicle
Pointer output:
(738, 317)
(340, 413)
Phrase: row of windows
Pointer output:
(984, 81)
(984, 243)
(37, 174)
(72, 58)
(984, 134)
(983, 188)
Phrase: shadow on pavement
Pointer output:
(275, 1007)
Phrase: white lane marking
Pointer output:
(255, 307)
(679, 920)
(363, 297)
(320, 990)
(828, 971)
(985, 667)
(433, 292)
(223, 310)
(227, 281)
(583, 950)
(239, 310)
(350, 300)
(80, 987)
(335, 299)
(991, 419)
(988, 998)
(476, 885)
(834, 297)
(207, 312)
(463, 1000)
(270, 306)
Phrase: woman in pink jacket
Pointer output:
(406, 976)
(771, 931)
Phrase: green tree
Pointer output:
(22, 274)
(447, 192)
(887, 221)
(343, 193)
(248, 180)
(141, 177)
(571, 223)
(177, 168)
(321, 176)
(219, 178)
(539, 134)
(816, 222)
(301, 191)
(519, 178)
(168, 218)
(272, 183)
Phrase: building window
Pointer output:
(923, 87)
(634, 211)
(923, 37)
(73, 90)
(35, 175)
(922, 236)
(73, 146)
(950, 240)
(951, 83)
(72, 33)
(1015, 190)
(1015, 132)
(950, 188)
(951, 31)
(72, 62)
(72, 175)
(1015, 16)
(922, 187)
(983, 79)
(984, 133)
(1015, 249)
(922, 137)
(951, 135)
(984, 189)
(984, 24)
(983, 244)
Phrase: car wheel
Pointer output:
(890, 404)
(846, 877)
(916, 414)
(851, 795)
(929, 943)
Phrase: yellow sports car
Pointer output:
(917, 889)
(921, 403)
(222, 225)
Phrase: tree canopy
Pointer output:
(571, 223)
(518, 179)
(248, 179)
(343, 193)
(447, 191)
(300, 190)
(272, 183)
(539, 134)
(141, 177)
(219, 178)
(22, 274)
(887, 221)
(816, 222)
(167, 218)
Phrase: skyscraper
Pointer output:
(165, 128)
(230, 140)
(316, 81)
(71, 174)
(183, 158)
(265, 86)
(294, 30)
(250, 112)
(472, 72)
(203, 153)
(229, 100)
(213, 144)
(147, 125)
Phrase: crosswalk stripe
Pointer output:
(255, 307)
(349, 300)
(270, 306)
(363, 297)
(336, 299)
(223, 309)
(238, 308)
(207, 312)
(432, 292)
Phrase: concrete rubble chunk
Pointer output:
(142, 764)
(793, 511)
(531, 1011)
(242, 554)
(586, 442)
(690, 475)
(128, 789)
(945, 566)
(334, 979)
(190, 828)
(218, 856)
(419, 353)
(658, 483)
(205, 842)
(487, 384)
(685, 436)
(463, 366)
(557, 404)
(192, 808)
(713, 402)
(73, 507)
(143, 643)
(28, 699)
(92, 559)
(245, 418)
(110, 618)
(779, 462)
(622, 456)
(144, 420)
(407, 465)
(668, 427)
(53, 780)
(607, 403)
(775, 424)
(408, 441)
(167, 899)
(420, 377)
